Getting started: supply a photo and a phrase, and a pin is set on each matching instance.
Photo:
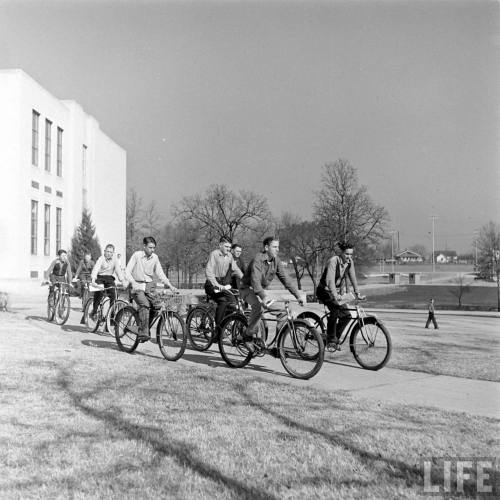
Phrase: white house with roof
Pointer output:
(407, 256)
(54, 162)
(446, 257)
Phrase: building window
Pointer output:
(48, 189)
(34, 138)
(46, 231)
(59, 193)
(58, 227)
(84, 161)
(34, 226)
(35, 185)
(59, 151)
(48, 143)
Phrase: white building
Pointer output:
(54, 161)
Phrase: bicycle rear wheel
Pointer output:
(233, 352)
(200, 327)
(171, 336)
(126, 329)
(112, 312)
(371, 344)
(62, 308)
(301, 349)
(85, 297)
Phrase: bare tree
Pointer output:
(151, 220)
(286, 231)
(345, 211)
(184, 252)
(462, 287)
(134, 222)
(222, 212)
(489, 254)
(303, 243)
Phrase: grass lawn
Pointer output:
(80, 421)
(417, 296)
(458, 348)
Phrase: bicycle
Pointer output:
(58, 303)
(369, 339)
(298, 345)
(106, 312)
(170, 328)
(85, 290)
(200, 321)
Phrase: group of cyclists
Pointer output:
(224, 270)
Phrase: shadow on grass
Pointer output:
(214, 359)
(165, 446)
(75, 328)
(37, 318)
(100, 344)
(412, 475)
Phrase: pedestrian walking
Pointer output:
(431, 316)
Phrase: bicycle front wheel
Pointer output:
(112, 312)
(200, 326)
(232, 350)
(62, 308)
(127, 329)
(301, 349)
(371, 344)
(50, 306)
(92, 322)
(171, 336)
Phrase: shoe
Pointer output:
(247, 342)
(250, 346)
(93, 316)
(143, 337)
(333, 345)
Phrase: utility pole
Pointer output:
(392, 249)
(433, 217)
(475, 247)
(496, 270)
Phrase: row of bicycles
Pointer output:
(297, 340)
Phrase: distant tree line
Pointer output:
(342, 210)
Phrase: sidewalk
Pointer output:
(475, 397)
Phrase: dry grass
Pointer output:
(459, 348)
(82, 420)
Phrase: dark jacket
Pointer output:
(261, 272)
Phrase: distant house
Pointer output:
(407, 256)
(445, 257)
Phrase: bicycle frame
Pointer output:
(283, 316)
(165, 311)
(60, 288)
(358, 316)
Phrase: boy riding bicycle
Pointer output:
(143, 269)
(256, 280)
(331, 287)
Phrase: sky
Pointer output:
(261, 95)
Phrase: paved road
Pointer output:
(475, 397)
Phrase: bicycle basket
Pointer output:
(170, 302)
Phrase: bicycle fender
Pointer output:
(310, 315)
